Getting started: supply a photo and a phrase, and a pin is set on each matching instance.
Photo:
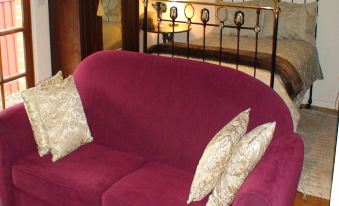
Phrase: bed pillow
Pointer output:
(250, 19)
(215, 156)
(33, 112)
(296, 22)
(64, 118)
(245, 156)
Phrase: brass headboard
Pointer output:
(291, 1)
(204, 17)
(221, 24)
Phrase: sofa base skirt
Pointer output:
(23, 199)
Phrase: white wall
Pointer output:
(41, 40)
(335, 183)
(326, 91)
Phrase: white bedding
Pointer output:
(302, 55)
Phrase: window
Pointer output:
(16, 56)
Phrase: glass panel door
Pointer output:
(16, 62)
(111, 24)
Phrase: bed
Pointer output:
(284, 57)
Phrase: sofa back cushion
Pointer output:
(169, 109)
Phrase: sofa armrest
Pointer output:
(274, 181)
(16, 140)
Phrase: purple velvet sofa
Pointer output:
(151, 118)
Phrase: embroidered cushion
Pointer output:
(215, 156)
(245, 156)
(64, 118)
(33, 112)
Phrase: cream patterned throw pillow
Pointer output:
(215, 156)
(245, 156)
(64, 118)
(33, 112)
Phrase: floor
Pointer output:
(306, 200)
(301, 200)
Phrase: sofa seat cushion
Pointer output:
(153, 185)
(78, 179)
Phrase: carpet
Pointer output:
(318, 130)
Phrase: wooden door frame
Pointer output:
(130, 25)
(87, 36)
(80, 37)
(30, 81)
(90, 28)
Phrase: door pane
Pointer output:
(13, 91)
(12, 54)
(10, 14)
(111, 24)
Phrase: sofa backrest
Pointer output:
(168, 109)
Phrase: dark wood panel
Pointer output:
(130, 24)
(65, 35)
(90, 28)
(76, 32)
(28, 43)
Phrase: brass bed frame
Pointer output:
(239, 19)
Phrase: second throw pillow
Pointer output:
(215, 156)
(245, 156)
(64, 118)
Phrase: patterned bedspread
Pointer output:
(297, 61)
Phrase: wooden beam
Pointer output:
(130, 24)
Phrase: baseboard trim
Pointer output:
(321, 103)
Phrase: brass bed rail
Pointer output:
(220, 23)
(239, 19)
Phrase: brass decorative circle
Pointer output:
(189, 11)
(257, 29)
(221, 25)
(239, 18)
(222, 14)
(145, 3)
(189, 22)
(174, 13)
(205, 15)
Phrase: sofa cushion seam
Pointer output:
(256, 194)
(120, 201)
(52, 182)
(112, 184)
